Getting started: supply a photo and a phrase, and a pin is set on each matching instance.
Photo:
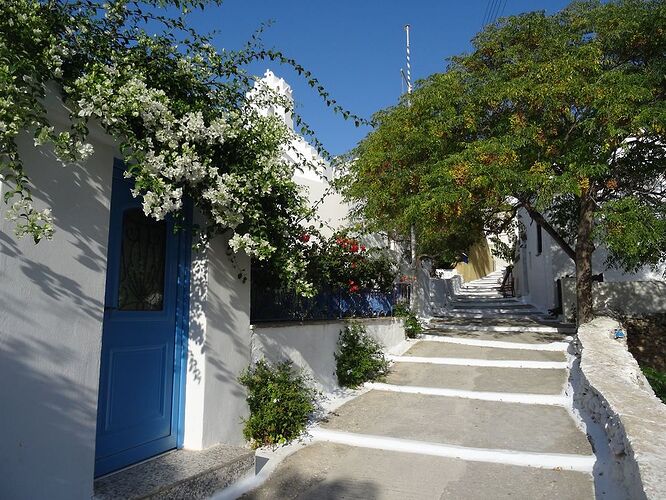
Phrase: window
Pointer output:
(141, 283)
(539, 240)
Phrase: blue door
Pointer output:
(139, 390)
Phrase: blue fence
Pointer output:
(281, 305)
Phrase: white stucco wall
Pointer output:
(331, 209)
(51, 307)
(609, 388)
(218, 349)
(311, 345)
(314, 176)
(630, 298)
(536, 274)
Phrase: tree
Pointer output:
(565, 117)
(187, 124)
(397, 178)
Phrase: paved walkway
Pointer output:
(474, 410)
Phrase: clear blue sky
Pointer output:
(355, 47)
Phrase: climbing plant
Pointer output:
(186, 116)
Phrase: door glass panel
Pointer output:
(143, 252)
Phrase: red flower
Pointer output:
(362, 248)
(354, 248)
(305, 237)
(354, 288)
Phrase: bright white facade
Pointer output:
(52, 310)
(53, 305)
(317, 174)
(538, 267)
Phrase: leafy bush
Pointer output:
(280, 401)
(343, 262)
(412, 324)
(359, 357)
(657, 380)
(401, 310)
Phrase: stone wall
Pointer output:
(627, 298)
(610, 389)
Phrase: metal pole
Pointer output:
(412, 232)
(409, 66)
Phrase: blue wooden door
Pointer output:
(139, 381)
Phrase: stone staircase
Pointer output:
(477, 408)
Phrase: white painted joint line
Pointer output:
(499, 344)
(501, 397)
(497, 363)
(483, 328)
(581, 463)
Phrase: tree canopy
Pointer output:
(563, 116)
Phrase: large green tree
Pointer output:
(398, 178)
(563, 116)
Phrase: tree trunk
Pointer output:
(584, 250)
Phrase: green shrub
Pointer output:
(280, 400)
(412, 324)
(359, 357)
(400, 310)
(657, 380)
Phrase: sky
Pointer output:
(356, 48)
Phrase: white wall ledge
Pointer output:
(616, 395)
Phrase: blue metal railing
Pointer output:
(270, 304)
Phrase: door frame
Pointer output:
(182, 323)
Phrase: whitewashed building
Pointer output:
(540, 263)
(317, 174)
(117, 343)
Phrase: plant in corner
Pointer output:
(359, 357)
(412, 324)
(280, 400)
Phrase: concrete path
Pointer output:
(474, 410)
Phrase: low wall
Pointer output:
(629, 298)
(443, 290)
(311, 345)
(611, 389)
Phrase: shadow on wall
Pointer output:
(51, 308)
(228, 311)
(480, 262)
(219, 300)
(620, 298)
(80, 191)
(48, 435)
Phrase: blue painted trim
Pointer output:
(183, 320)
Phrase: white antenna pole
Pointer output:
(412, 231)
(409, 65)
